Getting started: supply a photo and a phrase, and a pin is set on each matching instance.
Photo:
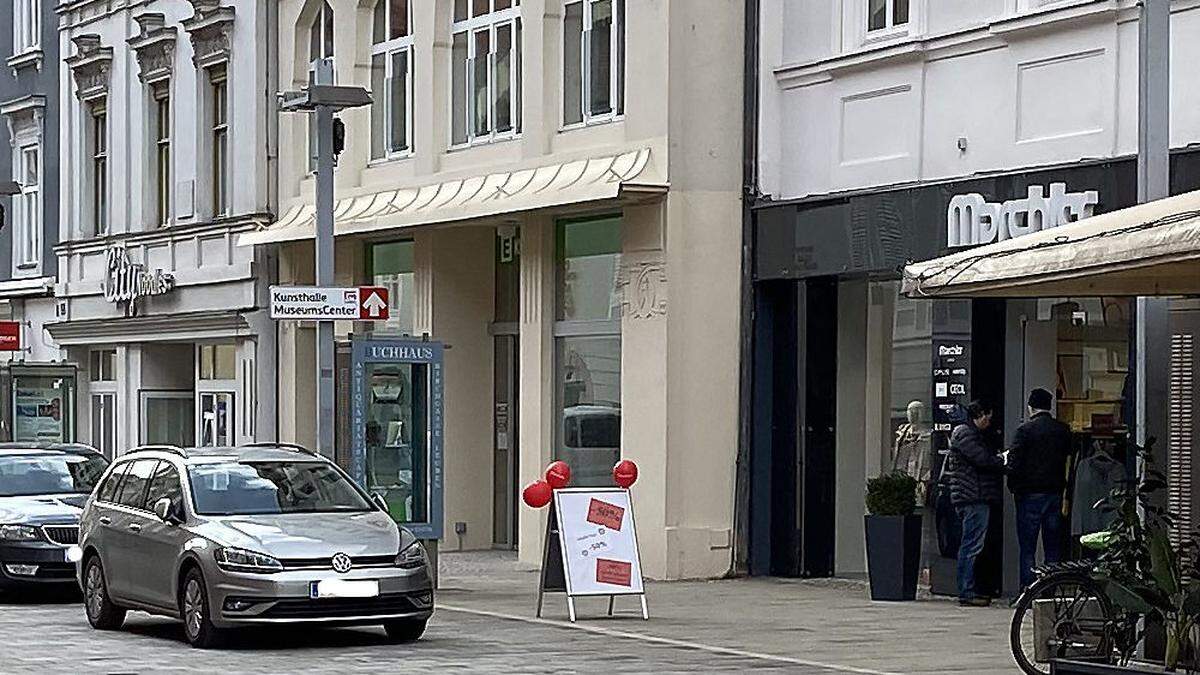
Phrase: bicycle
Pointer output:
(1067, 614)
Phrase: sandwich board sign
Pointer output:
(591, 548)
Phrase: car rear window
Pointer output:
(49, 473)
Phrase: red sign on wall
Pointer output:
(373, 303)
(10, 336)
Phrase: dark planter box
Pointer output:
(893, 556)
(1068, 667)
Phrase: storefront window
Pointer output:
(588, 353)
(216, 419)
(1091, 361)
(103, 365)
(218, 362)
(397, 440)
(391, 266)
(167, 418)
(43, 408)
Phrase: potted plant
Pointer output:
(893, 537)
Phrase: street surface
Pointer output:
(485, 624)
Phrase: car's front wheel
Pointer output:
(102, 613)
(405, 630)
(196, 613)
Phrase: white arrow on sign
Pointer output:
(374, 305)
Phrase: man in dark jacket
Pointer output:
(1037, 476)
(976, 474)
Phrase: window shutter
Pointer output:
(1181, 434)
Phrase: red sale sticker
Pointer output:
(605, 514)
(614, 572)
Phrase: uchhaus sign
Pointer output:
(971, 220)
(126, 281)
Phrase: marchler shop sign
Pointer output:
(971, 220)
(126, 281)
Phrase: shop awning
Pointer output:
(586, 180)
(1149, 249)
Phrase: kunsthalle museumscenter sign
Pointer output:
(591, 547)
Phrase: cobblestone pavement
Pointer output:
(485, 623)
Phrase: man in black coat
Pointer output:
(976, 476)
(1037, 476)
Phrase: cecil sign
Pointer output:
(971, 220)
(367, 303)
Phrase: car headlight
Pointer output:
(413, 557)
(241, 560)
(18, 533)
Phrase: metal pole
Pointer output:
(324, 262)
(1153, 170)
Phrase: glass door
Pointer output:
(214, 419)
(104, 423)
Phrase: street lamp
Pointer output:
(323, 100)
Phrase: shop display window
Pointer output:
(43, 408)
(391, 266)
(1092, 361)
(397, 440)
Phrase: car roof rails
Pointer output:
(280, 445)
(173, 449)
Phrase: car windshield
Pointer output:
(48, 474)
(243, 488)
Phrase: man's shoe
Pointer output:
(974, 602)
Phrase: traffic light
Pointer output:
(339, 136)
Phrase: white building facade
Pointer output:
(167, 126)
(895, 130)
(537, 191)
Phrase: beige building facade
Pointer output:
(552, 189)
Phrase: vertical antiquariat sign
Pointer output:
(396, 418)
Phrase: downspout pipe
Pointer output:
(739, 556)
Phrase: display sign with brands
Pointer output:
(951, 382)
(971, 220)
(126, 281)
(314, 303)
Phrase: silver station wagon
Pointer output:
(254, 535)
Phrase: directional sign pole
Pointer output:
(324, 253)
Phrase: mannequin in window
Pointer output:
(910, 454)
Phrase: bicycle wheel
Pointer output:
(1062, 615)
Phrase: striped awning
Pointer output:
(586, 180)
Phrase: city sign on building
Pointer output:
(126, 281)
(315, 303)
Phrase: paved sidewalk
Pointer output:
(824, 624)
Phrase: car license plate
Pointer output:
(343, 588)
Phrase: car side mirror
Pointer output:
(380, 502)
(166, 511)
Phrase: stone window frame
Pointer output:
(491, 22)
(91, 69)
(211, 30)
(387, 47)
(26, 34)
(26, 121)
(618, 65)
(155, 46)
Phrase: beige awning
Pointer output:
(585, 180)
(1149, 249)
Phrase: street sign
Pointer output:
(314, 303)
(10, 336)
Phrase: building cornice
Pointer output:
(91, 66)
(148, 328)
(155, 47)
(233, 226)
(211, 28)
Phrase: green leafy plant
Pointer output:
(1143, 573)
(892, 494)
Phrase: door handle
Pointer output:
(105, 520)
(134, 527)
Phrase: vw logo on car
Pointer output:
(341, 563)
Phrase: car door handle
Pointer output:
(134, 527)
(105, 520)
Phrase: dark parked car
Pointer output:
(43, 489)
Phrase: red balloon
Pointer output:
(558, 474)
(537, 494)
(625, 473)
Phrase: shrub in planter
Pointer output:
(893, 537)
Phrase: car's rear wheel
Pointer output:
(196, 613)
(405, 630)
(102, 613)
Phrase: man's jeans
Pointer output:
(974, 519)
(1038, 513)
